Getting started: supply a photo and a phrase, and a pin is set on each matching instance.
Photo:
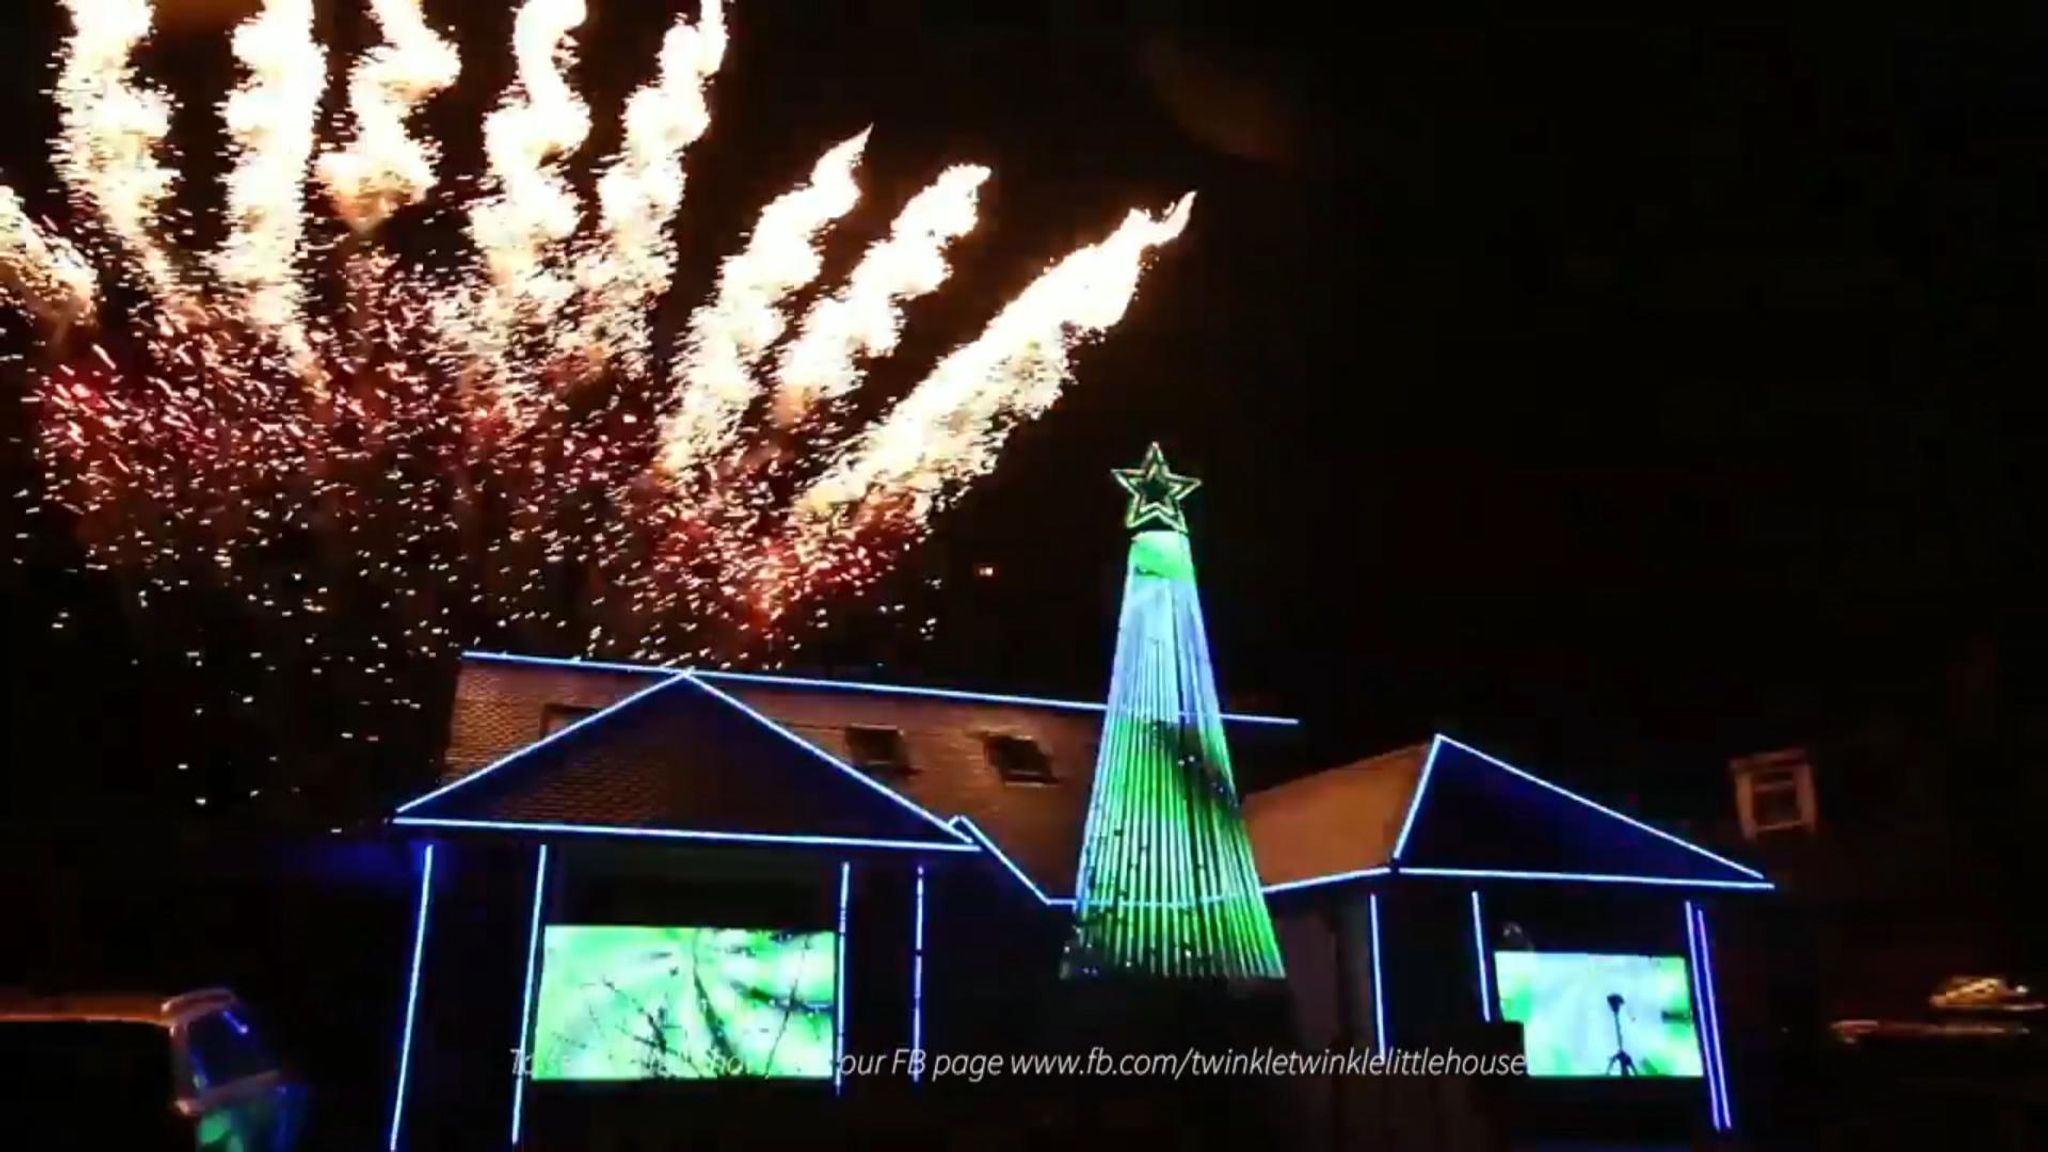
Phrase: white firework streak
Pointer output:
(642, 189)
(864, 320)
(950, 427)
(520, 230)
(729, 336)
(113, 127)
(385, 167)
(271, 119)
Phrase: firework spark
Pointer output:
(950, 427)
(865, 318)
(640, 192)
(385, 168)
(730, 335)
(113, 128)
(614, 516)
(521, 228)
(271, 118)
(43, 274)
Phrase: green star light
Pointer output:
(1156, 492)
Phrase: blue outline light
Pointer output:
(963, 695)
(1379, 999)
(1590, 878)
(537, 745)
(1415, 801)
(412, 995)
(776, 727)
(1597, 807)
(519, 1068)
(1332, 878)
(989, 846)
(684, 834)
(1727, 1117)
(917, 983)
(839, 976)
(1699, 999)
(1479, 950)
(845, 685)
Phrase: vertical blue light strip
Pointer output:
(412, 995)
(520, 1071)
(1479, 952)
(1699, 999)
(1379, 999)
(917, 984)
(1714, 1018)
(839, 977)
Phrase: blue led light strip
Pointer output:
(1479, 951)
(1415, 801)
(684, 834)
(841, 685)
(1590, 878)
(839, 980)
(917, 983)
(520, 1071)
(412, 995)
(1699, 999)
(1725, 1115)
(561, 733)
(863, 778)
(1379, 996)
(974, 830)
(1600, 808)
(1332, 878)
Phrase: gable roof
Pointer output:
(1035, 829)
(1342, 821)
(1477, 814)
(1448, 809)
(683, 759)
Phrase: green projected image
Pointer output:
(1593, 1015)
(629, 1003)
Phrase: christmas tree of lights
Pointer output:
(1168, 887)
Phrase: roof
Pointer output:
(682, 758)
(1339, 820)
(749, 758)
(1446, 809)
(112, 1007)
(614, 775)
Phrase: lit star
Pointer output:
(1156, 492)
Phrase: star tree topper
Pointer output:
(1156, 492)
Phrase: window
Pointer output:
(1774, 793)
(225, 1049)
(1018, 759)
(556, 717)
(1774, 797)
(878, 751)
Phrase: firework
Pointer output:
(385, 168)
(490, 446)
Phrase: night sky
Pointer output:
(1620, 397)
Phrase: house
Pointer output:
(668, 901)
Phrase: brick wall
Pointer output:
(501, 708)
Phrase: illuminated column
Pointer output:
(1167, 884)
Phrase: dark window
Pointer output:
(556, 717)
(1775, 800)
(225, 1048)
(880, 751)
(1019, 759)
